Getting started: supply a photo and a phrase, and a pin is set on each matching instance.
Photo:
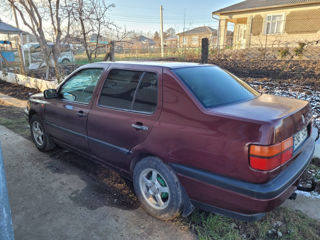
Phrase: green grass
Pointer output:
(17, 125)
(210, 226)
(295, 225)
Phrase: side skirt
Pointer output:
(122, 172)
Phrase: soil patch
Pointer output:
(276, 69)
(16, 90)
(292, 71)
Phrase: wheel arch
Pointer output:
(32, 112)
(138, 157)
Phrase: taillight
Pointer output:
(266, 158)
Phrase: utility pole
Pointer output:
(161, 31)
(21, 54)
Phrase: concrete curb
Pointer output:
(27, 81)
(11, 101)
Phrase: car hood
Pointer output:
(38, 96)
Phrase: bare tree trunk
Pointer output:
(84, 36)
(22, 67)
(97, 42)
(56, 24)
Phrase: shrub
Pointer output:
(284, 52)
(300, 49)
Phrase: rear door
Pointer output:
(125, 112)
(66, 116)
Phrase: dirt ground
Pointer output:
(105, 188)
(15, 90)
(114, 191)
(13, 119)
(292, 70)
(60, 196)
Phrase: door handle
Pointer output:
(81, 113)
(139, 126)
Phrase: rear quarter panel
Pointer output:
(186, 134)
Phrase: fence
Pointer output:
(287, 35)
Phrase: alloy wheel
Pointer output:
(154, 188)
(37, 133)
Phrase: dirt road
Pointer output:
(53, 197)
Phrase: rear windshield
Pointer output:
(215, 87)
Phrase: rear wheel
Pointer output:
(158, 189)
(39, 135)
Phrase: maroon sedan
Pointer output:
(186, 134)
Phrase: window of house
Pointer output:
(79, 88)
(274, 24)
(130, 90)
(184, 41)
(195, 40)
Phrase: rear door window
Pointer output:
(130, 90)
(214, 87)
(147, 94)
(119, 88)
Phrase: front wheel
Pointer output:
(39, 135)
(158, 189)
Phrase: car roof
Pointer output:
(171, 65)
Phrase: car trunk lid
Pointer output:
(287, 115)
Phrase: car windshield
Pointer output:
(214, 87)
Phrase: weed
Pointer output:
(284, 52)
(300, 49)
(292, 225)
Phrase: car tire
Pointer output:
(157, 188)
(39, 135)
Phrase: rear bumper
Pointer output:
(247, 200)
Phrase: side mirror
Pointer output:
(50, 94)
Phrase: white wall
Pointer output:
(30, 82)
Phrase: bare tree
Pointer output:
(171, 32)
(54, 9)
(67, 9)
(119, 35)
(92, 18)
(31, 17)
(33, 13)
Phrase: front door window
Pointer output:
(79, 88)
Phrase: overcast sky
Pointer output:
(144, 15)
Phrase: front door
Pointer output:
(123, 116)
(66, 116)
